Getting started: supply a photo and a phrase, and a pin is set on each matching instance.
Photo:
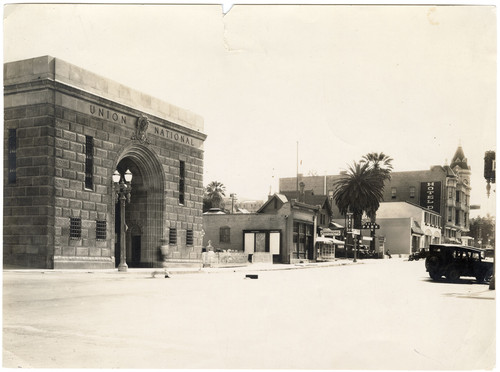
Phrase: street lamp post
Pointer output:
(122, 188)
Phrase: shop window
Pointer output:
(225, 234)
(75, 228)
(189, 237)
(100, 230)
(261, 242)
(302, 238)
(172, 236)
(182, 175)
(89, 162)
(12, 155)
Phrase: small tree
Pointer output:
(483, 228)
(213, 195)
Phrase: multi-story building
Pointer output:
(66, 132)
(442, 189)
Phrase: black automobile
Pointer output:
(418, 255)
(453, 261)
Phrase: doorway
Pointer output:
(144, 214)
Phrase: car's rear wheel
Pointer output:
(488, 275)
(434, 275)
(485, 277)
(452, 274)
(432, 264)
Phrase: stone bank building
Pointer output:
(66, 132)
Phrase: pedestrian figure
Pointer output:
(388, 253)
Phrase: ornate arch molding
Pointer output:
(148, 162)
(153, 176)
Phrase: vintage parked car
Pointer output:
(418, 255)
(454, 261)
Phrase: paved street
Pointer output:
(378, 314)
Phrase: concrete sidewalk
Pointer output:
(157, 272)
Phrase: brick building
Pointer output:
(66, 131)
(442, 189)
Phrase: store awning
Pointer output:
(335, 226)
(324, 240)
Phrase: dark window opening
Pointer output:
(100, 230)
(393, 193)
(12, 155)
(412, 192)
(89, 162)
(75, 228)
(172, 236)
(182, 172)
(225, 235)
(189, 237)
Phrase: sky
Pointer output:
(334, 81)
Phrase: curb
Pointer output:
(159, 272)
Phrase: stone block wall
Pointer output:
(52, 119)
(72, 198)
(29, 214)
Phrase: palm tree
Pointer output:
(214, 193)
(359, 190)
(379, 162)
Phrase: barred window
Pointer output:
(100, 230)
(12, 155)
(75, 228)
(182, 173)
(89, 162)
(225, 235)
(172, 236)
(189, 237)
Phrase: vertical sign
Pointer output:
(430, 196)
(349, 222)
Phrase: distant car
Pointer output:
(454, 261)
(417, 255)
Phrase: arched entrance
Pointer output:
(144, 215)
